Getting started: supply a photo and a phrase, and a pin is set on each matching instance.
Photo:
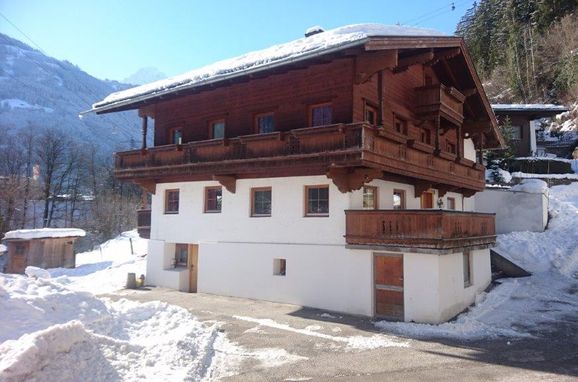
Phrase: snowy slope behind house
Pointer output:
(37, 91)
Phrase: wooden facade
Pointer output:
(52, 252)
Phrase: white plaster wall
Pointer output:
(321, 276)
(515, 211)
(434, 289)
(469, 149)
(287, 223)
(160, 268)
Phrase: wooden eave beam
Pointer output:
(366, 65)
(227, 181)
(348, 179)
(419, 58)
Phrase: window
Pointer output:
(213, 199)
(400, 125)
(515, 132)
(171, 201)
(321, 114)
(317, 201)
(398, 199)
(176, 136)
(425, 136)
(451, 203)
(261, 201)
(467, 269)
(450, 147)
(370, 114)
(217, 129)
(20, 249)
(181, 255)
(369, 198)
(265, 123)
(279, 267)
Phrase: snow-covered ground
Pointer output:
(519, 307)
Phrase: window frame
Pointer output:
(306, 199)
(280, 267)
(260, 189)
(375, 197)
(167, 211)
(367, 107)
(468, 276)
(212, 124)
(181, 264)
(172, 137)
(402, 199)
(319, 105)
(402, 121)
(453, 201)
(206, 209)
(256, 119)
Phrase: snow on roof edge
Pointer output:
(43, 233)
(528, 107)
(276, 55)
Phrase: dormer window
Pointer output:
(265, 123)
(321, 114)
(217, 129)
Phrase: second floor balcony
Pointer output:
(306, 151)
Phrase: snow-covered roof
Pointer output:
(41, 233)
(277, 55)
(529, 107)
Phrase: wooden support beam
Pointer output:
(349, 179)
(420, 187)
(144, 132)
(366, 65)
(227, 181)
(380, 99)
(147, 185)
(420, 58)
(469, 92)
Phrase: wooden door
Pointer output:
(427, 199)
(193, 267)
(388, 277)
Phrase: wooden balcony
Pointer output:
(143, 225)
(307, 151)
(420, 230)
(440, 100)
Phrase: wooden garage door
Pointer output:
(388, 277)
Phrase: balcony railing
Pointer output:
(301, 151)
(441, 100)
(420, 229)
(143, 218)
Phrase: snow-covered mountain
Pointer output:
(37, 91)
(145, 76)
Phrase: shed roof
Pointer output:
(43, 233)
(301, 49)
(536, 109)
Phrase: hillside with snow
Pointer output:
(37, 91)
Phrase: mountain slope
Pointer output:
(37, 91)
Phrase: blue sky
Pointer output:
(114, 38)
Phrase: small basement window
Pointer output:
(467, 269)
(181, 255)
(279, 267)
(172, 201)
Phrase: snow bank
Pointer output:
(104, 270)
(525, 175)
(3, 248)
(506, 176)
(40, 233)
(51, 333)
(303, 48)
(531, 186)
(39, 273)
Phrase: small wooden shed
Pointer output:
(43, 248)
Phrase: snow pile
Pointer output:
(277, 55)
(566, 122)
(105, 269)
(51, 333)
(532, 186)
(525, 175)
(40, 233)
(39, 273)
(3, 248)
(506, 177)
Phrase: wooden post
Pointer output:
(380, 98)
(460, 142)
(481, 149)
(437, 138)
(144, 132)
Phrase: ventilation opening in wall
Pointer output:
(279, 267)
